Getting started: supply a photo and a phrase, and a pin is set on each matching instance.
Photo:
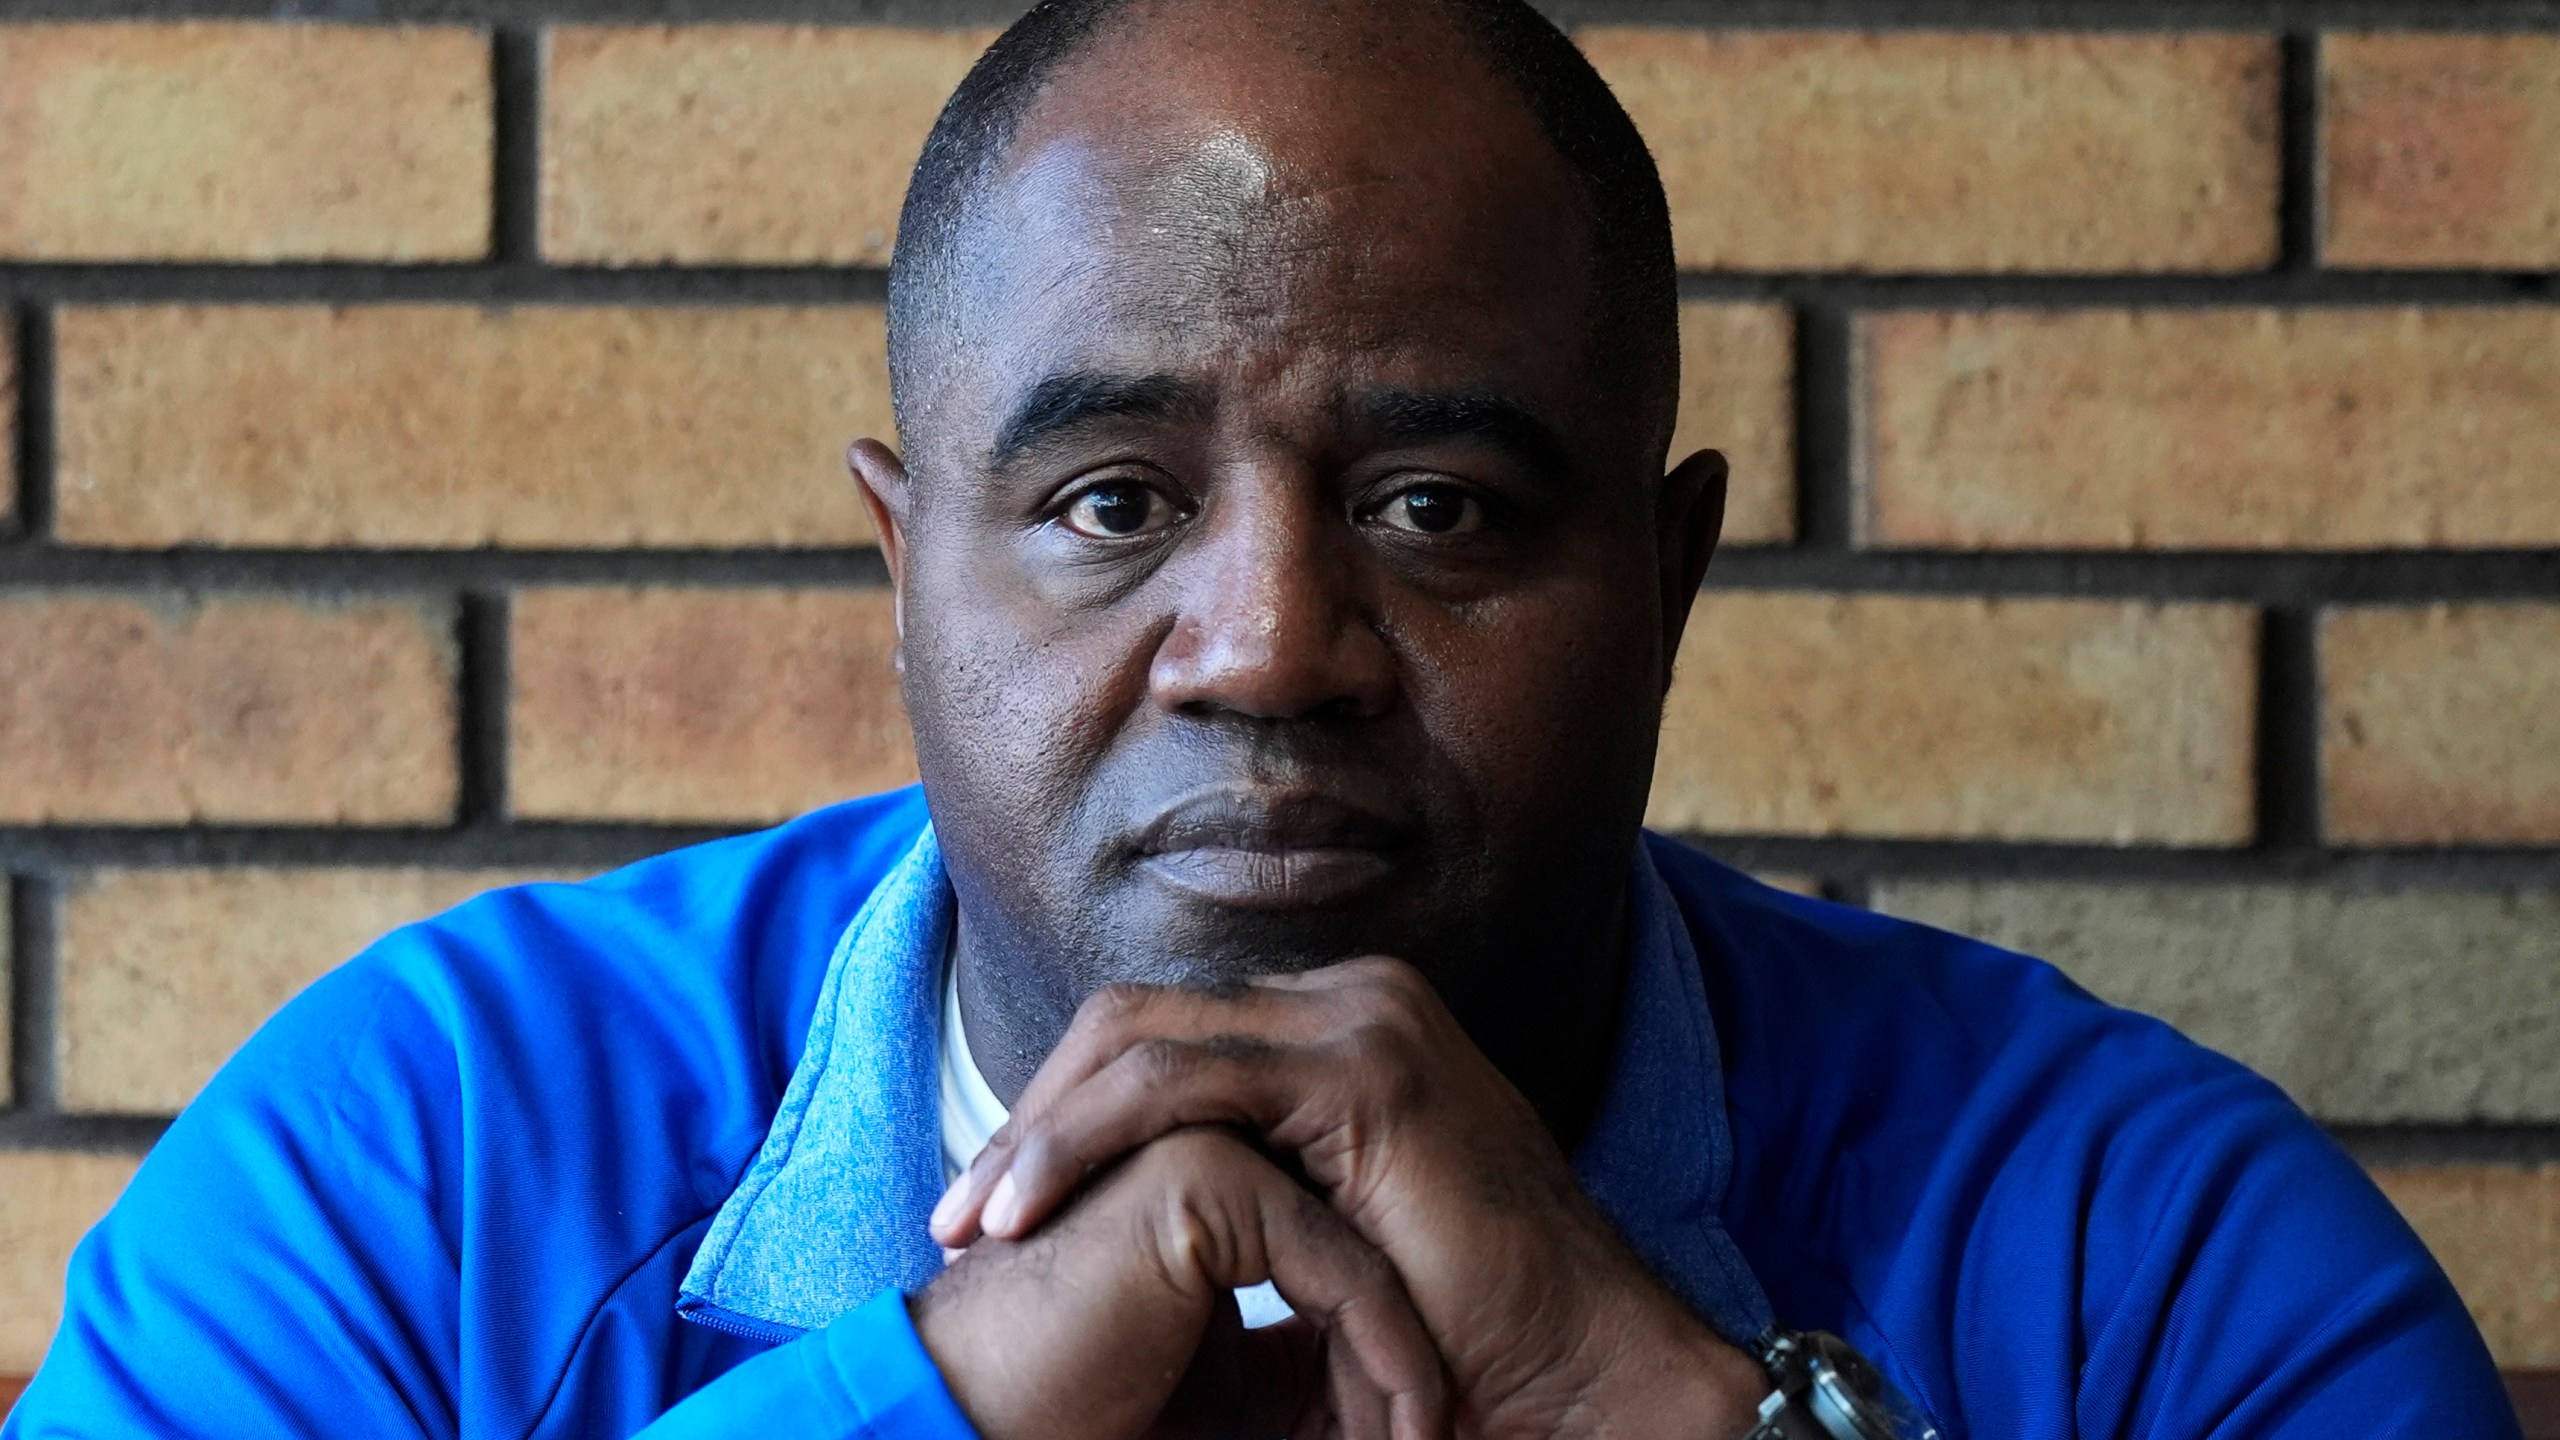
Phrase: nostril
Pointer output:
(1343, 707)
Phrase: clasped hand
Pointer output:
(1447, 1272)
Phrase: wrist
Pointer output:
(1665, 1375)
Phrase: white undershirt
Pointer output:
(971, 1115)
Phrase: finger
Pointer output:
(1106, 1027)
(1153, 1089)
(1385, 1375)
(1304, 1010)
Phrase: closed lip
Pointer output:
(1271, 850)
(1270, 821)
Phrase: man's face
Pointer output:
(1280, 581)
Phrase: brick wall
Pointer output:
(421, 471)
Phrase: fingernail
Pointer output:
(947, 1208)
(1000, 1205)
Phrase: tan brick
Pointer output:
(2210, 429)
(1737, 394)
(2440, 150)
(745, 144)
(48, 1200)
(232, 141)
(127, 709)
(2496, 1231)
(2441, 725)
(1957, 152)
(703, 705)
(448, 426)
(1893, 715)
(165, 972)
(2425, 1006)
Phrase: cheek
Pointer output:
(1546, 701)
(1011, 714)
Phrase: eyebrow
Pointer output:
(1435, 415)
(1061, 403)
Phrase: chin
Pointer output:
(1161, 938)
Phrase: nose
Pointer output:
(1271, 621)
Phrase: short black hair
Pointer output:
(1630, 223)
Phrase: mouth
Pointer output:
(1266, 849)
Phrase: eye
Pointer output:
(1117, 509)
(1430, 509)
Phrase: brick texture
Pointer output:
(703, 705)
(2440, 725)
(47, 1202)
(750, 144)
(1940, 718)
(216, 141)
(165, 972)
(2496, 1230)
(426, 426)
(1737, 394)
(2210, 429)
(154, 710)
(2440, 151)
(2317, 989)
(1957, 152)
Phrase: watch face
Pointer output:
(1852, 1398)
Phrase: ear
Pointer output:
(881, 477)
(1688, 519)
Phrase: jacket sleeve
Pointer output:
(865, 1377)
(277, 1266)
(334, 1240)
(2279, 1296)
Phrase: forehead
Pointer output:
(1291, 195)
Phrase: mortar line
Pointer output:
(2269, 577)
(68, 848)
(2299, 194)
(1825, 419)
(481, 702)
(37, 447)
(516, 144)
(86, 1134)
(2029, 15)
(717, 286)
(2421, 1144)
(34, 945)
(2288, 734)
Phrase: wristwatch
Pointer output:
(1822, 1389)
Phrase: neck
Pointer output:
(1012, 1025)
(1551, 1027)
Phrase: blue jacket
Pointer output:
(455, 1187)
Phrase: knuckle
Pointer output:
(1115, 1005)
(1160, 1061)
(1381, 1043)
(1240, 1049)
(1391, 974)
(1384, 1052)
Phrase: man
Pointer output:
(1288, 579)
